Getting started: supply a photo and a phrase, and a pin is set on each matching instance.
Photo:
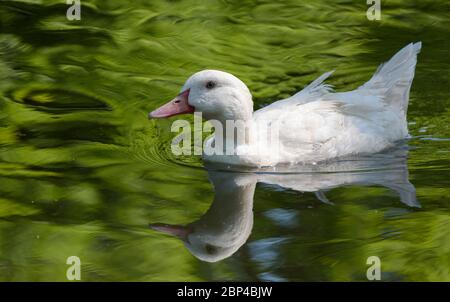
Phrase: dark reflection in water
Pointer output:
(227, 224)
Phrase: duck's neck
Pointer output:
(233, 126)
(231, 212)
(232, 134)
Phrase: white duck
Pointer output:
(313, 125)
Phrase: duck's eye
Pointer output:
(210, 84)
(210, 249)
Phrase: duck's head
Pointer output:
(216, 94)
(204, 243)
(227, 224)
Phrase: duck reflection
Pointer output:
(225, 227)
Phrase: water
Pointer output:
(83, 172)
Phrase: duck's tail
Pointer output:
(392, 80)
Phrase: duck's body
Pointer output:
(328, 127)
(313, 125)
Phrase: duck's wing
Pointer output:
(324, 129)
(389, 86)
(314, 91)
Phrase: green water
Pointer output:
(84, 172)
